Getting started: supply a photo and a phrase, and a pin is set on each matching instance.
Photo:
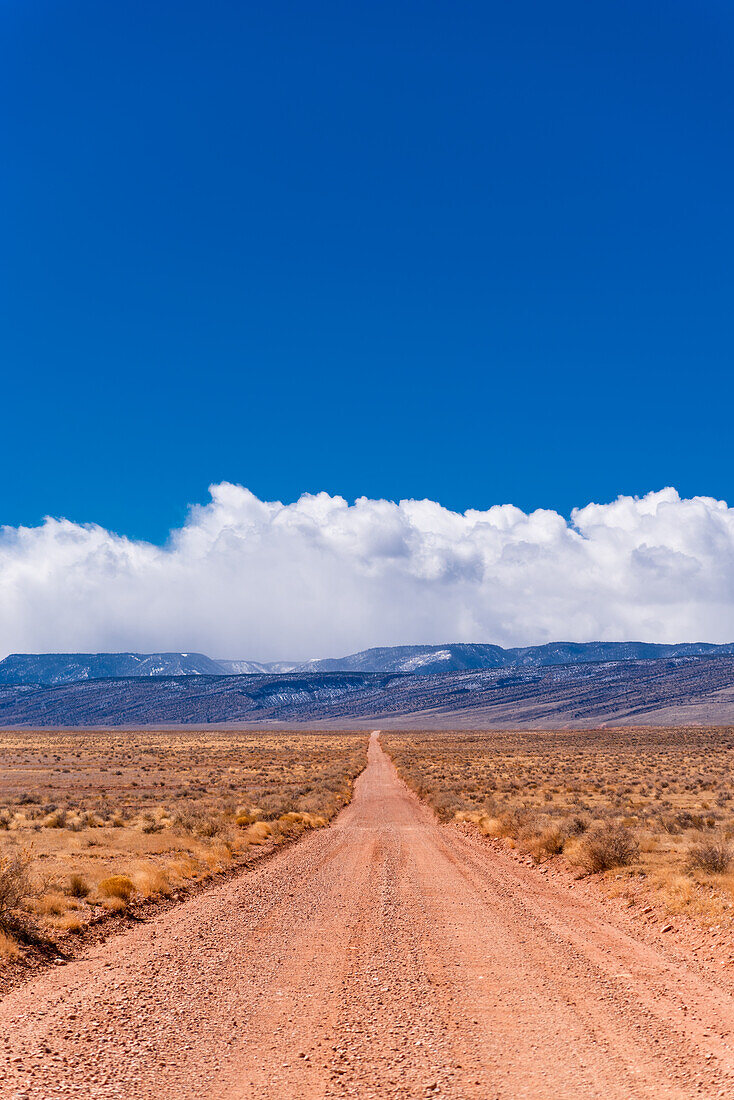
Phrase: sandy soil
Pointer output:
(388, 956)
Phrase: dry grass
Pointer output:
(16, 888)
(78, 887)
(116, 886)
(94, 820)
(648, 804)
(8, 947)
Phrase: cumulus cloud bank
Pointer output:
(249, 578)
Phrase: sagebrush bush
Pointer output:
(16, 888)
(576, 825)
(202, 824)
(713, 856)
(274, 805)
(548, 842)
(605, 846)
(445, 805)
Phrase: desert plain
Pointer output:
(388, 914)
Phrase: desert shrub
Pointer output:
(70, 922)
(259, 832)
(151, 881)
(519, 819)
(202, 824)
(16, 887)
(274, 805)
(115, 905)
(8, 947)
(211, 825)
(491, 826)
(117, 886)
(576, 825)
(218, 856)
(292, 824)
(52, 904)
(712, 856)
(605, 846)
(541, 845)
(244, 818)
(445, 805)
(78, 887)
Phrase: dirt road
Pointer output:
(388, 956)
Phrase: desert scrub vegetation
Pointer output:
(638, 804)
(16, 889)
(98, 821)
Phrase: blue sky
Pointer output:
(479, 253)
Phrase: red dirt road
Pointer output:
(388, 956)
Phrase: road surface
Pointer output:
(387, 956)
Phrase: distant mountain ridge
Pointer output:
(422, 660)
(254, 668)
(69, 668)
(462, 656)
(669, 691)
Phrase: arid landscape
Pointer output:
(651, 810)
(366, 551)
(94, 823)
(555, 928)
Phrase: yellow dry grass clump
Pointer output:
(102, 820)
(644, 804)
(8, 947)
(116, 886)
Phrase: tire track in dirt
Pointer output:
(387, 956)
(609, 961)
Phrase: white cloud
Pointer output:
(248, 578)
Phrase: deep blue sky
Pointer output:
(480, 252)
